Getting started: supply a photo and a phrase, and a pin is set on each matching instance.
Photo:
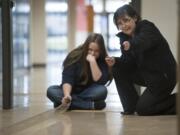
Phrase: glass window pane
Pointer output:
(56, 6)
(113, 40)
(56, 23)
(97, 5)
(100, 26)
(103, 20)
(20, 27)
(112, 5)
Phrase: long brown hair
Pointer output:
(79, 55)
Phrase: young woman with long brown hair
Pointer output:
(84, 76)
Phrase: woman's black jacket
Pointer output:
(149, 50)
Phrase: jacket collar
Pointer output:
(121, 34)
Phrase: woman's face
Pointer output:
(94, 49)
(127, 24)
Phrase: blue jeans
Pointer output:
(84, 100)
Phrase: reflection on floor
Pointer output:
(92, 123)
(33, 113)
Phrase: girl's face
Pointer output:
(94, 49)
(127, 24)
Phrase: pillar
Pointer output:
(38, 49)
(71, 24)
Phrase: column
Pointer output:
(71, 24)
(38, 49)
(7, 52)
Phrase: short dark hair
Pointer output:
(125, 10)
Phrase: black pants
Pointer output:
(155, 100)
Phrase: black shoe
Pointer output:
(127, 113)
(99, 105)
(171, 111)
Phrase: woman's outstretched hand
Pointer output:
(66, 100)
(110, 61)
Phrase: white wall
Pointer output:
(164, 14)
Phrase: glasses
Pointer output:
(122, 22)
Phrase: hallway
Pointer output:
(32, 112)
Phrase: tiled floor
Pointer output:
(33, 113)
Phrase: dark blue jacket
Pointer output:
(71, 75)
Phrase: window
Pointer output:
(56, 22)
(103, 20)
(20, 17)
